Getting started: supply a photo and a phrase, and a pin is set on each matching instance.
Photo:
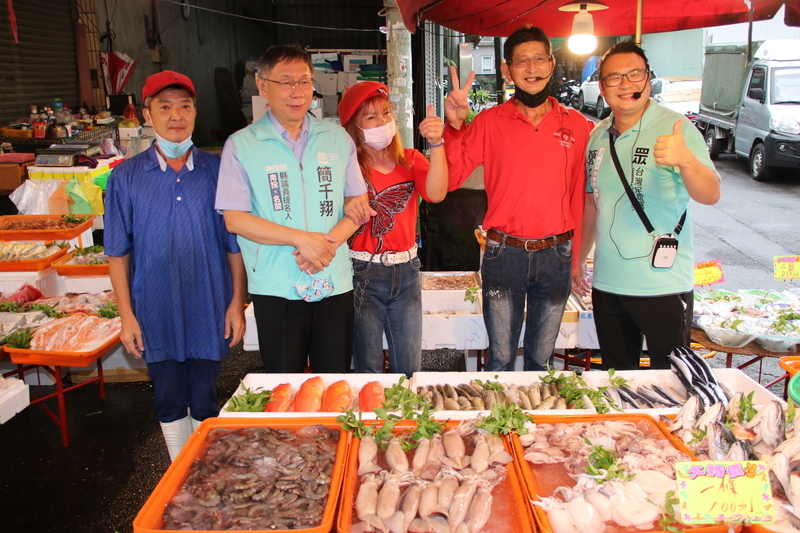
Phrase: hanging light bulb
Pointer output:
(583, 41)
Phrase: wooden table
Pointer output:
(52, 363)
(752, 350)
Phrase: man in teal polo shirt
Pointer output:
(282, 187)
(642, 284)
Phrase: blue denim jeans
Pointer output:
(387, 299)
(509, 276)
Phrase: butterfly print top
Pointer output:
(395, 197)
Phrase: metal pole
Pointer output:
(498, 60)
(398, 72)
(639, 15)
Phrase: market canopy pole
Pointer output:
(398, 71)
(639, 17)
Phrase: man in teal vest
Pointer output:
(283, 186)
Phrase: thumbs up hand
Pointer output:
(432, 127)
(671, 150)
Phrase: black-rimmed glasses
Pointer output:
(634, 76)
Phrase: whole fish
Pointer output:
(309, 396)
(371, 396)
(337, 397)
(281, 399)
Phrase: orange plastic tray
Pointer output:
(31, 265)
(151, 517)
(521, 521)
(791, 364)
(532, 487)
(64, 269)
(43, 234)
(76, 359)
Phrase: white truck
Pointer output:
(752, 108)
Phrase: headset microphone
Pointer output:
(636, 95)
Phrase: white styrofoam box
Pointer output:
(326, 82)
(455, 331)
(330, 107)
(250, 331)
(352, 62)
(92, 284)
(449, 301)
(420, 379)
(35, 376)
(587, 332)
(47, 281)
(13, 398)
(260, 106)
(320, 58)
(118, 366)
(255, 382)
(127, 133)
(734, 378)
(345, 80)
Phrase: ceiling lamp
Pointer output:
(582, 41)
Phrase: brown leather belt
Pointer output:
(530, 245)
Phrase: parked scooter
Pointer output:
(565, 91)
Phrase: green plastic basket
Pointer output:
(794, 389)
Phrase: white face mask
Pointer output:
(380, 137)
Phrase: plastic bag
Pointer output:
(59, 202)
(32, 197)
(94, 194)
(80, 205)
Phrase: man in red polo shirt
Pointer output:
(533, 151)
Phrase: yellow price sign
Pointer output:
(724, 491)
(786, 266)
(708, 273)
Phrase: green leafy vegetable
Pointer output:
(746, 408)
(73, 219)
(697, 436)
(490, 385)
(602, 464)
(49, 310)
(250, 401)
(668, 517)
(471, 294)
(782, 323)
(505, 418)
(11, 307)
(20, 339)
(399, 398)
(109, 310)
(96, 249)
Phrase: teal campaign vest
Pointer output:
(307, 195)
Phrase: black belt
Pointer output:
(530, 245)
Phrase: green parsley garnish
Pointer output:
(505, 418)
(602, 465)
(20, 339)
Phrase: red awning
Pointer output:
(501, 17)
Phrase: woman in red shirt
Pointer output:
(386, 282)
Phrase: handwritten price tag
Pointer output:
(786, 266)
(708, 273)
(724, 491)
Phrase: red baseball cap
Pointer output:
(357, 95)
(158, 82)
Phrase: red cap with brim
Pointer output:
(158, 82)
(357, 95)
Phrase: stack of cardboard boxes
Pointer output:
(333, 73)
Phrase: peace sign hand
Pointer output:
(456, 105)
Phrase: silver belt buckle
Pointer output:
(385, 259)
